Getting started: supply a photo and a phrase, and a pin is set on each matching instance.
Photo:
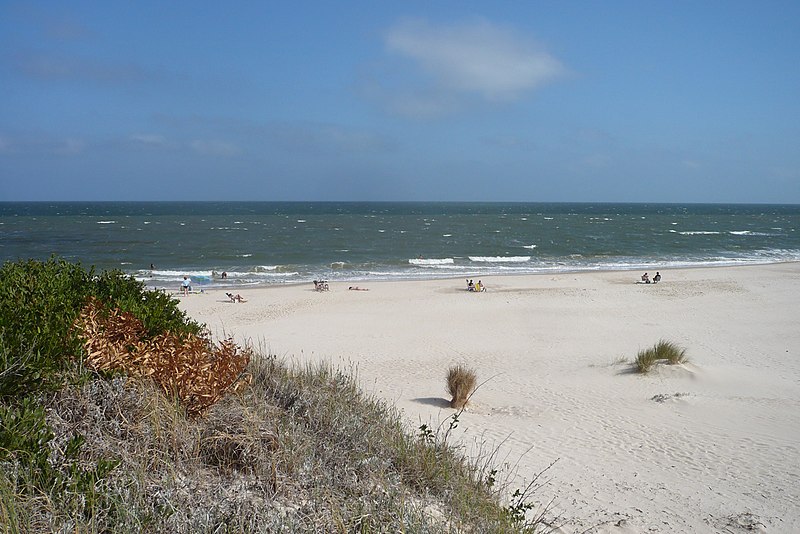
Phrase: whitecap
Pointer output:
(106, 222)
(747, 232)
(430, 261)
(500, 259)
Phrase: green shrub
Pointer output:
(39, 302)
(24, 434)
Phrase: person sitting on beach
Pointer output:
(645, 278)
(470, 286)
(479, 287)
(657, 277)
(186, 285)
(235, 298)
(356, 288)
(320, 285)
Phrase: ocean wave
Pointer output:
(748, 232)
(167, 273)
(529, 246)
(500, 259)
(430, 261)
(698, 232)
(106, 222)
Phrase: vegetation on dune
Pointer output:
(662, 351)
(118, 414)
(461, 384)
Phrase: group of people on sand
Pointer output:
(479, 287)
(656, 278)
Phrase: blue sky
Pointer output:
(452, 100)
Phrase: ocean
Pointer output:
(262, 243)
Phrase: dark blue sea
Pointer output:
(259, 243)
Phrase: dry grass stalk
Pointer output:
(189, 367)
(461, 384)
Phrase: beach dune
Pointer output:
(712, 445)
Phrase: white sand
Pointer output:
(720, 453)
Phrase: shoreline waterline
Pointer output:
(224, 285)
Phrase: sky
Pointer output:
(605, 101)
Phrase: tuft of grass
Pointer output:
(661, 351)
(461, 384)
(667, 350)
(645, 360)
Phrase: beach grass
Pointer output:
(671, 352)
(461, 384)
(664, 350)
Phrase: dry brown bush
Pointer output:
(461, 384)
(189, 367)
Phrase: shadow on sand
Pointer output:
(438, 402)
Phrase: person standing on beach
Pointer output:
(186, 285)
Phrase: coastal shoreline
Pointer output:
(229, 285)
(699, 447)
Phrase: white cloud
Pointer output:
(481, 58)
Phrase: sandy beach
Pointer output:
(708, 446)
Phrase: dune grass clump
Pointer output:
(661, 351)
(667, 350)
(645, 360)
(461, 384)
